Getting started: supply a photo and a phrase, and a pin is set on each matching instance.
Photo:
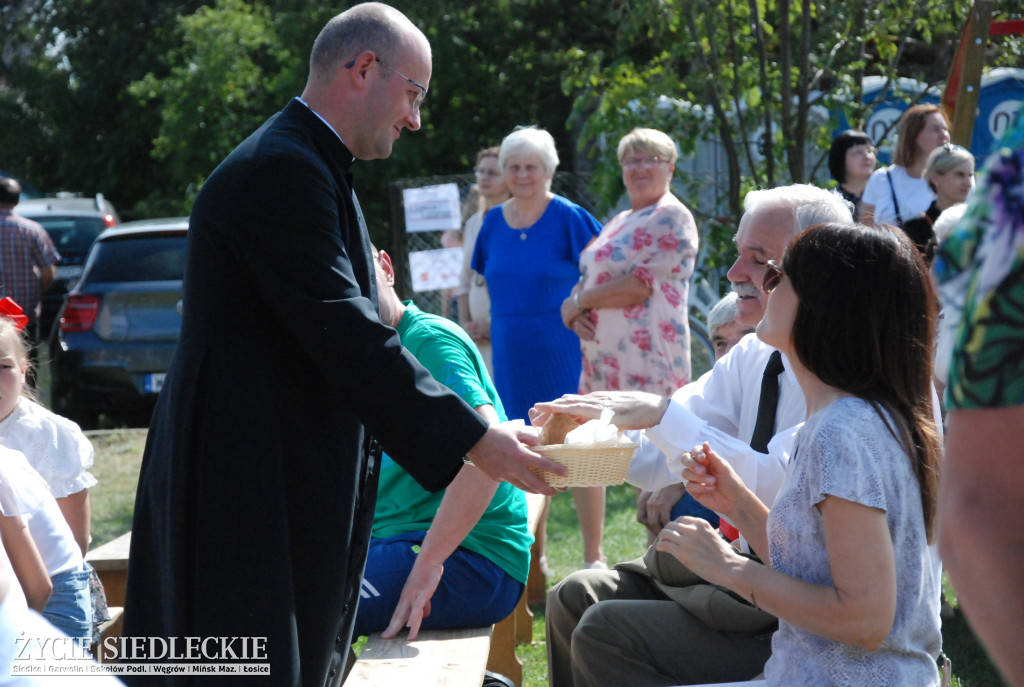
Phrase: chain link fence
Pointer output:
(570, 185)
(567, 184)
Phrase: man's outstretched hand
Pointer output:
(503, 455)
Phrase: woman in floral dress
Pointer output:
(630, 305)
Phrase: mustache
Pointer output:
(746, 289)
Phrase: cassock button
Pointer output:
(333, 672)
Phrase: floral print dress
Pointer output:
(646, 346)
(980, 269)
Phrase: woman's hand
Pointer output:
(698, 546)
(631, 409)
(584, 326)
(569, 310)
(712, 481)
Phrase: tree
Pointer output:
(67, 122)
(228, 71)
(759, 76)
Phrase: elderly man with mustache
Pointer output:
(668, 645)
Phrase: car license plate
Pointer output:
(155, 382)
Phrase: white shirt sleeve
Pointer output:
(720, 408)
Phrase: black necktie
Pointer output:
(764, 425)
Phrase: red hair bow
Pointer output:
(13, 312)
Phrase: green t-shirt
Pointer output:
(501, 535)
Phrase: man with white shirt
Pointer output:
(653, 640)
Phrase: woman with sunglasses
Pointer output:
(898, 192)
(850, 575)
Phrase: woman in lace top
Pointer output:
(850, 576)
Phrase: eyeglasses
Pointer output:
(638, 162)
(423, 91)
(772, 276)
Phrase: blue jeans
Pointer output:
(473, 591)
(70, 606)
(688, 505)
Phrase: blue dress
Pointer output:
(535, 357)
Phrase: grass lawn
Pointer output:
(119, 454)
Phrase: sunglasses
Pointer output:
(954, 148)
(772, 276)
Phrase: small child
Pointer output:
(54, 446)
(45, 479)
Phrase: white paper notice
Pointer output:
(435, 269)
(432, 208)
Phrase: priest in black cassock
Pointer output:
(258, 484)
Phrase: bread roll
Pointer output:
(555, 429)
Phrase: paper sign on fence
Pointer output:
(435, 269)
(432, 208)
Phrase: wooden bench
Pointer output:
(442, 657)
(456, 657)
(111, 564)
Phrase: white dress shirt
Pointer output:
(721, 409)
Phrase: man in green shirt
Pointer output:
(456, 558)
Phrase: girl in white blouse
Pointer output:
(54, 446)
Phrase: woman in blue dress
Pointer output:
(529, 252)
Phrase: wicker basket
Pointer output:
(590, 465)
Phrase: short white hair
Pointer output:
(723, 312)
(808, 204)
(530, 140)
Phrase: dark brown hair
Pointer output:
(911, 124)
(865, 324)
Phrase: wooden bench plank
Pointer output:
(111, 563)
(446, 658)
(451, 659)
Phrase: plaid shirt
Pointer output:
(25, 249)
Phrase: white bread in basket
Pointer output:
(596, 453)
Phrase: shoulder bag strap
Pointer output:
(895, 203)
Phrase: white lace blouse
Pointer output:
(846, 450)
(54, 446)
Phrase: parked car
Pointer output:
(73, 223)
(120, 324)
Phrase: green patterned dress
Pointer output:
(980, 268)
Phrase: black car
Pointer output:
(120, 324)
(73, 223)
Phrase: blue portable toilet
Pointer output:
(1000, 101)
(887, 108)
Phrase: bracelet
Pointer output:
(576, 300)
